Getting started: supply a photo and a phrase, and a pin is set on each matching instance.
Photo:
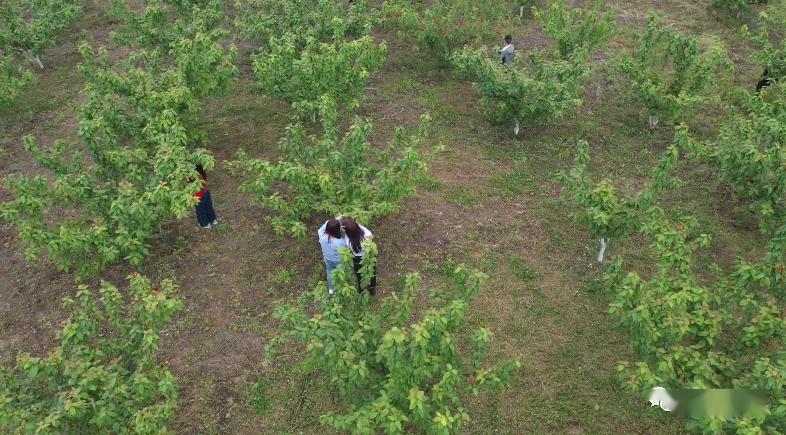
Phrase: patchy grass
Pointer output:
(492, 203)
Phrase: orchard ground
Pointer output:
(492, 204)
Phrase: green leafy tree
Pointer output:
(735, 6)
(539, 89)
(13, 80)
(159, 24)
(332, 174)
(770, 36)
(442, 26)
(575, 29)
(323, 20)
(130, 173)
(606, 212)
(670, 73)
(750, 153)
(397, 373)
(303, 74)
(689, 333)
(29, 26)
(104, 376)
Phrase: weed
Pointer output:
(258, 397)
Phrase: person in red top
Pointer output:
(204, 210)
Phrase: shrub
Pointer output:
(750, 153)
(574, 29)
(446, 25)
(323, 20)
(29, 26)
(13, 81)
(303, 74)
(397, 374)
(332, 174)
(103, 377)
(670, 72)
(541, 90)
(110, 194)
(607, 213)
(770, 36)
(687, 332)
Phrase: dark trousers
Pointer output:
(204, 210)
(372, 288)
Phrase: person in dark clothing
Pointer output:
(356, 234)
(206, 216)
(765, 80)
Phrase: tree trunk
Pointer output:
(36, 58)
(516, 128)
(521, 11)
(653, 121)
(602, 250)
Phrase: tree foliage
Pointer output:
(323, 20)
(605, 211)
(735, 6)
(770, 36)
(442, 26)
(398, 373)
(542, 88)
(576, 29)
(303, 74)
(334, 174)
(156, 25)
(29, 26)
(13, 80)
(670, 73)
(135, 165)
(104, 376)
(750, 153)
(727, 333)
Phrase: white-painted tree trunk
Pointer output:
(516, 128)
(521, 11)
(36, 58)
(653, 121)
(602, 250)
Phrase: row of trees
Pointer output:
(102, 199)
(667, 72)
(134, 165)
(395, 370)
(689, 327)
(133, 168)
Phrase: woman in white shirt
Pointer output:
(507, 52)
(331, 239)
(356, 234)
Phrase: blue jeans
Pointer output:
(330, 266)
(204, 210)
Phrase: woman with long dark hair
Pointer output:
(356, 234)
(204, 209)
(331, 239)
